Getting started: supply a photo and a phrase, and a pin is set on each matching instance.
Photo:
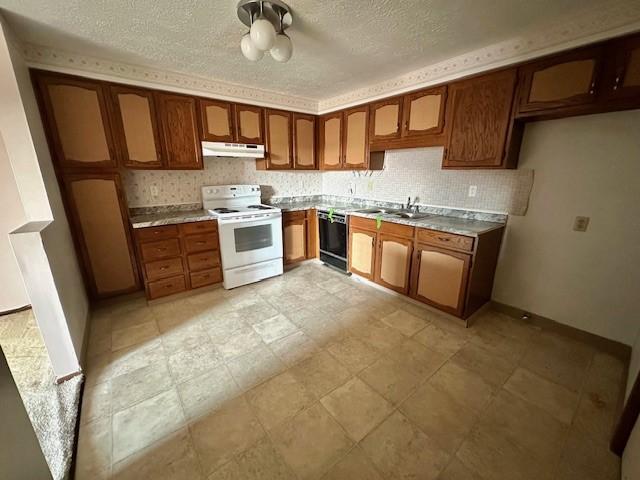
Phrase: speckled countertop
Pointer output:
(460, 222)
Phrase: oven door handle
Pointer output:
(252, 218)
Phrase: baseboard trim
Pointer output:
(64, 378)
(612, 347)
(15, 310)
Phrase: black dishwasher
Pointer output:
(333, 239)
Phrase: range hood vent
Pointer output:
(238, 150)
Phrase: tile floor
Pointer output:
(314, 375)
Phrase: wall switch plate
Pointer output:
(153, 190)
(580, 224)
(473, 190)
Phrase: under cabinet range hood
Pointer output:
(238, 150)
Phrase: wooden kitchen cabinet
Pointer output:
(356, 138)
(136, 127)
(565, 80)
(304, 141)
(622, 81)
(440, 277)
(294, 238)
(76, 118)
(362, 251)
(180, 133)
(249, 124)
(393, 262)
(330, 141)
(217, 120)
(423, 112)
(97, 213)
(479, 121)
(279, 155)
(385, 119)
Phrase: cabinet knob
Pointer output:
(164, 267)
(616, 82)
(593, 88)
(161, 249)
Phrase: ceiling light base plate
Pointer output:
(272, 10)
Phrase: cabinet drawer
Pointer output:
(163, 268)
(199, 227)
(156, 233)
(161, 249)
(446, 240)
(292, 216)
(167, 286)
(199, 243)
(206, 277)
(203, 261)
(397, 229)
(364, 223)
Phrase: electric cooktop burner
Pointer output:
(260, 207)
(224, 210)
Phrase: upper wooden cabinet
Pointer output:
(330, 141)
(304, 141)
(623, 71)
(136, 127)
(179, 121)
(249, 124)
(356, 138)
(217, 120)
(77, 121)
(278, 132)
(385, 121)
(561, 81)
(478, 121)
(423, 112)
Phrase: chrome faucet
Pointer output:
(415, 207)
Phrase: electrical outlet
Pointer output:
(370, 186)
(580, 224)
(153, 190)
(473, 190)
(352, 188)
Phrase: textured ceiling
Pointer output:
(339, 45)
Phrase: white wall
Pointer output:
(630, 456)
(586, 166)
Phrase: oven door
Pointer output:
(248, 240)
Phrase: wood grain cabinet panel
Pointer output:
(201, 242)
(623, 71)
(217, 120)
(249, 124)
(163, 268)
(330, 135)
(356, 138)
(160, 249)
(167, 286)
(97, 212)
(294, 238)
(77, 120)
(561, 81)
(385, 120)
(179, 120)
(203, 260)
(198, 227)
(446, 240)
(393, 262)
(278, 133)
(136, 127)
(304, 141)
(207, 277)
(362, 252)
(440, 278)
(478, 121)
(424, 112)
(156, 233)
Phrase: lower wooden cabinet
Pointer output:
(97, 212)
(362, 252)
(175, 258)
(393, 262)
(299, 236)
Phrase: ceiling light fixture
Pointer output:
(267, 21)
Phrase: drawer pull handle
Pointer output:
(201, 242)
(164, 267)
(161, 249)
(169, 285)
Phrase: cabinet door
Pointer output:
(439, 278)
(278, 132)
(217, 120)
(78, 122)
(304, 141)
(179, 121)
(394, 262)
(362, 252)
(561, 81)
(330, 134)
(624, 71)
(295, 237)
(97, 210)
(478, 119)
(424, 112)
(385, 119)
(249, 124)
(356, 138)
(136, 127)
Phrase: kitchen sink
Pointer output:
(377, 210)
(412, 215)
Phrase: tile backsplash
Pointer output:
(414, 172)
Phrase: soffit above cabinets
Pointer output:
(340, 47)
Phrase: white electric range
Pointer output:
(250, 233)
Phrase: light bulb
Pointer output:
(262, 34)
(282, 48)
(249, 50)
